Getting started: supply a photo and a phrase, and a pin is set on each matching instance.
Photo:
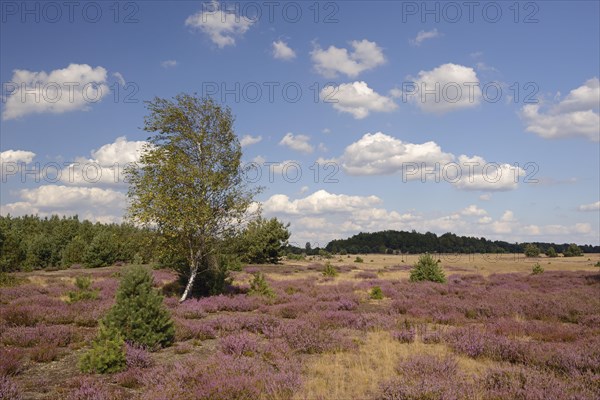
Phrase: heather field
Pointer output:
(493, 331)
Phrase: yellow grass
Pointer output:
(358, 374)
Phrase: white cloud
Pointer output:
(282, 51)
(485, 197)
(424, 35)
(95, 204)
(357, 98)
(106, 165)
(119, 78)
(333, 61)
(248, 140)
(378, 153)
(473, 211)
(320, 202)
(297, 142)
(169, 63)
(449, 87)
(576, 115)
(220, 25)
(590, 207)
(17, 156)
(478, 174)
(73, 88)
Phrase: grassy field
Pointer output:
(493, 331)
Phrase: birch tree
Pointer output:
(189, 181)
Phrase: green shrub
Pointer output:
(107, 354)
(84, 292)
(8, 279)
(573, 251)
(551, 252)
(597, 264)
(139, 314)
(296, 257)
(330, 270)
(260, 287)
(537, 269)
(358, 260)
(427, 269)
(376, 293)
(531, 250)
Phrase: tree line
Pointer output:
(391, 242)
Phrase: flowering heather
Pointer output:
(8, 389)
(88, 389)
(11, 361)
(404, 336)
(242, 344)
(137, 356)
(24, 336)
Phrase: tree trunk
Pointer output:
(190, 284)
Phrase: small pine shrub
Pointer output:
(358, 260)
(597, 264)
(107, 354)
(537, 269)
(427, 269)
(84, 292)
(260, 287)
(330, 270)
(139, 314)
(376, 293)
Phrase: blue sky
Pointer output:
(375, 138)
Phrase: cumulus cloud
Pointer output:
(449, 87)
(106, 165)
(102, 205)
(365, 56)
(473, 211)
(17, 156)
(248, 140)
(380, 154)
(73, 88)
(297, 142)
(576, 115)
(590, 207)
(356, 98)
(320, 202)
(221, 26)
(282, 51)
(424, 35)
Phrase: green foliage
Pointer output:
(376, 293)
(7, 279)
(597, 264)
(138, 313)
(297, 257)
(107, 354)
(573, 251)
(531, 250)
(330, 270)
(427, 269)
(263, 241)
(537, 269)
(260, 287)
(84, 292)
(190, 181)
(102, 251)
(550, 252)
(358, 260)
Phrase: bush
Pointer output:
(358, 260)
(7, 279)
(139, 314)
(551, 252)
(107, 354)
(102, 251)
(376, 293)
(573, 251)
(531, 250)
(83, 283)
(259, 286)
(427, 269)
(330, 270)
(537, 269)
